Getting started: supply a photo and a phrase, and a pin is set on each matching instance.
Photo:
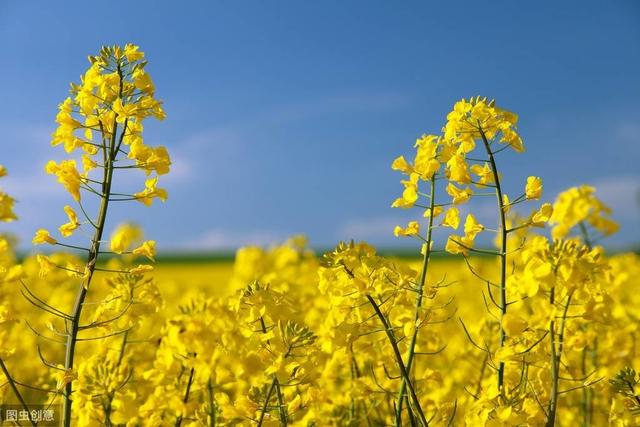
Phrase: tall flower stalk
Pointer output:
(502, 250)
(404, 371)
(423, 168)
(428, 246)
(115, 95)
(109, 154)
(480, 120)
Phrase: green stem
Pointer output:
(282, 410)
(108, 407)
(267, 399)
(125, 336)
(355, 373)
(92, 259)
(399, 361)
(503, 251)
(587, 399)
(584, 401)
(556, 356)
(15, 389)
(109, 158)
(423, 278)
(186, 396)
(212, 404)
(585, 234)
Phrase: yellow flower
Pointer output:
(147, 249)
(437, 210)
(484, 173)
(124, 236)
(533, 189)
(457, 170)
(139, 151)
(458, 245)
(459, 196)
(131, 52)
(472, 227)
(14, 273)
(427, 168)
(6, 208)
(452, 218)
(67, 175)
(67, 229)
(513, 325)
(124, 111)
(141, 269)
(410, 193)
(504, 354)
(506, 204)
(400, 164)
(513, 139)
(294, 404)
(65, 377)
(46, 265)
(150, 192)
(42, 236)
(579, 204)
(88, 164)
(426, 163)
(463, 120)
(75, 270)
(142, 80)
(542, 215)
(412, 229)
(157, 161)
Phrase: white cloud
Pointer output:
(621, 193)
(182, 168)
(220, 238)
(370, 228)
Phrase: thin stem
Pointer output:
(267, 399)
(212, 404)
(109, 155)
(585, 234)
(503, 250)
(420, 291)
(12, 383)
(556, 356)
(186, 396)
(80, 248)
(586, 401)
(282, 410)
(108, 406)
(399, 361)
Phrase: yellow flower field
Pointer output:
(526, 320)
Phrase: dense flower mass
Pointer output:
(307, 327)
(539, 329)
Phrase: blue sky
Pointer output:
(284, 116)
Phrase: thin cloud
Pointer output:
(380, 228)
(224, 239)
(621, 194)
